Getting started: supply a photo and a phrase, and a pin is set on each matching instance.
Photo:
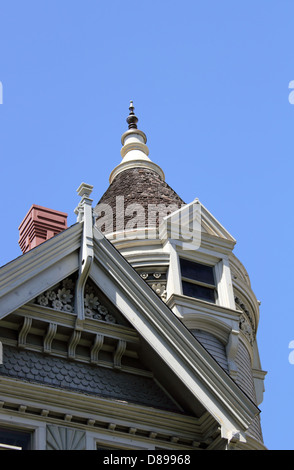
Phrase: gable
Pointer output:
(43, 346)
(146, 335)
(192, 223)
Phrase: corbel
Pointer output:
(84, 215)
(51, 332)
(231, 351)
(22, 337)
(234, 439)
(120, 349)
(75, 338)
(98, 343)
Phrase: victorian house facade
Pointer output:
(135, 328)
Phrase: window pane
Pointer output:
(197, 272)
(199, 292)
(15, 438)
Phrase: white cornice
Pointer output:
(213, 318)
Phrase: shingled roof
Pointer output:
(137, 186)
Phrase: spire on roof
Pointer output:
(132, 119)
(134, 150)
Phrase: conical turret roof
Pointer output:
(137, 188)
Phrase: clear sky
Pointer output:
(210, 84)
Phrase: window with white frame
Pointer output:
(198, 280)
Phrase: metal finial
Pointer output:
(132, 119)
(131, 107)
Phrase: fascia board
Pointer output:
(170, 338)
(216, 243)
(30, 274)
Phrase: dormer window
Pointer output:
(198, 280)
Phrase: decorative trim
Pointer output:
(62, 438)
(61, 297)
(22, 337)
(84, 212)
(98, 343)
(75, 338)
(51, 332)
(120, 350)
(231, 350)
(157, 281)
(246, 322)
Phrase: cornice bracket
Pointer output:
(231, 350)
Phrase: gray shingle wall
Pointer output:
(83, 378)
(245, 380)
(244, 377)
(213, 345)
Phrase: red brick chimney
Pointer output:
(39, 225)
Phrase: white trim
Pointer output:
(115, 442)
(19, 423)
(224, 284)
(144, 316)
(86, 250)
(39, 269)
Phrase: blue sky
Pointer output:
(209, 81)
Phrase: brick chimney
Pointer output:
(39, 225)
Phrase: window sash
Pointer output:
(197, 272)
(198, 291)
(198, 280)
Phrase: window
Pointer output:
(198, 280)
(12, 439)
